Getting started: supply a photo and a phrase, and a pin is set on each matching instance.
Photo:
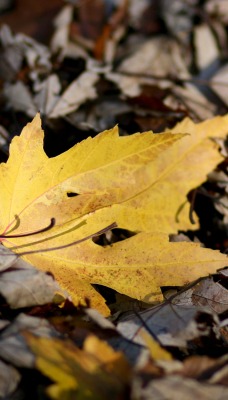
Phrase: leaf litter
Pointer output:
(191, 323)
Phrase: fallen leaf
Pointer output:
(3, 324)
(173, 325)
(149, 59)
(219, 83)
(62, 22)
(203, 367)
(95, 370)
(218, 7)
(13, 346)
(207, 49)
(138, 181)
(178, 17)
(193, 100)
(169, 386)
(47, 94)
(36, 54)
(24, 286)
(9, 379)
(211, 294)
(28, 287)
(80, 90)
(8, 259)
(20, 98)
(147, 63)
(136, 10)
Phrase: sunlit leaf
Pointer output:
(139, 181)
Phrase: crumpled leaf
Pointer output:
(80, 90)
(171, 385)
(24, 286)
(95, 370)
(9, 379)
(173, 325)
(211, 294)
(204, 39)
(138, 181)
(13, 346)
(20, 98)
(9, 259)
(47, 94)
(211, 369)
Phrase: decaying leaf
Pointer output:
(206, 367)
(79, 90)
(156, 62)
(204, 38)
(138, 181)
(96, 370)
(9, 259)
(185, 387)
(20, 98)
(13, 347)
(175, 326)
(191, 97)
(211, 294)
(24, 286)
(9, 379)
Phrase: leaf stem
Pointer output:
(52, 223)
(111, 226)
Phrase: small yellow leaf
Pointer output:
(114, 361)
(96, 370)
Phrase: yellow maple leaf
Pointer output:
(139, 181)
(97, 370)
